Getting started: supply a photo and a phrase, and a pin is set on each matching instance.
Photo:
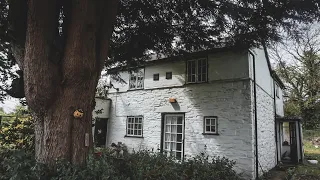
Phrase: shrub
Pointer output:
(139, 165)
(17, 133)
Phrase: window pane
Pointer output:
(193, 78)
(179, 120)
(213, 128)
(139, 126)
(173, 146)
(179, 138)
(168, 119)
(139, 132)
(173, 137)
(167, 145)
(207, 128)
(135, 132)
(128, 131)
(136, 120)
(191, 71)
(168, 128)
(167, 137)
(140, 120)
(174, 120)
(133, 80)
(207, 121)
(173, 129)
(179, 146)
(200, 77)
(213, 121)
(179, 129)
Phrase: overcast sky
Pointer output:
(9, 104)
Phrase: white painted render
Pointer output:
(263, 75)
(266, 131)
(230, 101)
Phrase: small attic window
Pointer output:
(156, 77)
(168, 75)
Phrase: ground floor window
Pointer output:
(210, 125)
(134, 126)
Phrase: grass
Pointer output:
(308, 171)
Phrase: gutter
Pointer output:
(255, 114)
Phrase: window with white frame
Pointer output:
(134, 126)
(197, 70)
(136, 79)
(211, 125)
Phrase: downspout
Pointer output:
(275, 117)
(255, 113)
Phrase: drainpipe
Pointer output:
(255, 113)
(275, 119)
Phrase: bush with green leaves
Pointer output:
(17, 133)
(145, 165)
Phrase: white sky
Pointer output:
(9, 104)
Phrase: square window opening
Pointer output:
(210, 125)
(134, 126)
(168, 75)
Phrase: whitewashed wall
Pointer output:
(230, 101)
(266, 131)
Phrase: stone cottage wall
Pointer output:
(230, 101)
(266, 131)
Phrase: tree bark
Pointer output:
(55, 90)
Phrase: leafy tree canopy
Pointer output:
(172, 27)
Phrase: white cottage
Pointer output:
(222, 101)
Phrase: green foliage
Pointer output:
(16, 132)
(298, 66)
(140, 165)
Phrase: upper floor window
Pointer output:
(277, 90)
(197, 70)
(136, 80)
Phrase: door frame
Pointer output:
(183, 130)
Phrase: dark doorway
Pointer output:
(293, 142)
(100, 132)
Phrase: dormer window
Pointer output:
(136, 79)
(197, 70)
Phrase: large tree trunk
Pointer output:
(57, 85)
